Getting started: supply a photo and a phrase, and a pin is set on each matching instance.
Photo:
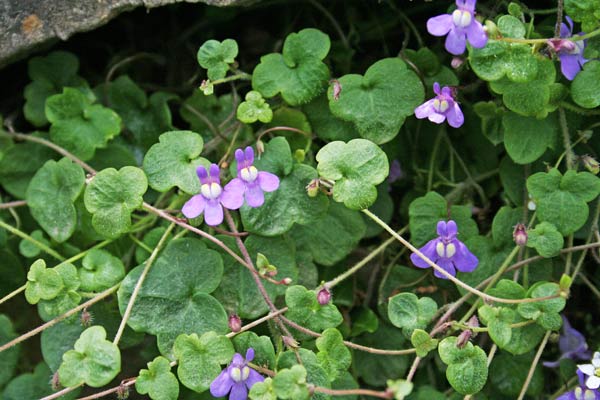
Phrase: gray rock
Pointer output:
(26, 24)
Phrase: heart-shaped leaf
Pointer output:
(305, 310)
(546, 239)
(356, 168)
(158, 381)
(291, 383)
(467, 366)
(422, 342)
(42, 283)
(216, 56)
(100, 270)
(254, 108)
(407, 311)
(333, 354)
(378, 102)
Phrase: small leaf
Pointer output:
(299, 73)
(9, 359)
(378, 102)
(544, 312)
(254, 108)
(511, 27)
(173, 162)
(51, 194)
(200, 359)
(78, 125)
(333, 354)
(112, 196)
(100, 271)
(422, 342)
(545, 239)
(95, 361)
(216, 56)
(158, 381)
(42, 283)
(305, 310)
(400, 388)
(525, 138)
(264, 353)
(263, 390)
(467, 369)
(585, 88)
(291, 383)
(67, 298)
(407, 311)
(34, 385)
(356, 168)
(498, 59)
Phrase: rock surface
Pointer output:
(25, 24)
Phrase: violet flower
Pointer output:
(572, 345)
(441, 107)
(460, 26)
(592, 371)
(581, 392)
(446, 251)
(237, 378)
(212, 198)
(570, 53)
(250, 181)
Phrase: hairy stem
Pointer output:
(534, 363)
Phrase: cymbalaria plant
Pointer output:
(391, 199)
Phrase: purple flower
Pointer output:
(237, 378)
(441, 107)
(570, 53)
(459, 26)
(396, 172)
(250, 182)
(446, 251)
(581, 392)
(572, 345)
(212, 198)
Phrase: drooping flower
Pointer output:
(581, 392)
(212, 198)
(460, 26)
(572, 345)
(441, 107)
(446, 251)
(237, 378)
(570, 53)
(592, 371)
(251, 182)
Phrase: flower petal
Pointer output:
(425, 109)
(476, 35)
(587, 369)
(202, 173)
(455, 116)
(440, 25)
(253, 378)
(194, 206)
(254, 195)
(238, 392)
(429, 251)
(249, 354)
(593, 382)
(447, 265)
(233, 194)
(456, 42)
(464, 260)
(436, 88)
(565, 32)
(442, 229)
(268, 181)
(213, 213)
(569, 65)
(249, 153)
(215, 173)
(437, 118)
(239, 157)
(222, 384)
(451, 229)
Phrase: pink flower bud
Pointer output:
(337, 89)
(520, 235)
(286, 281)
(312, 189)
(235, 323)
(324, 296)
(590, 164)
(457, 62)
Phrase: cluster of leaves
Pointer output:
(90, 229)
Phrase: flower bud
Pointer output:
(260, 147)
(590, 164)
(290, 342)
(235, 323)
(463, 338)
(207, 87)
(122, 392)
(86, 318)
(312, 189)
(337, 89)
(55, 382)
(520, 235)
(491, 29)
(324, 296)
(286, 281)
(457, 62)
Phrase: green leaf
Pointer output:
(30, 250)
(8, 361)
(158, 381)
(51, 194)
(585, 11)
(315, 374)
(525, 138)
(184, 305)
(112, 196)
(422, 342)
(304, 309)
(378, 102)
(510, 373)
(144, 117)
(49, 75)
(42, 283)
(287, 205)
(498, 320)
(299, 73)
(95, 361)
(356, 167)
(499, 59)
(545, 239)
(544, 312)
(264, 353)
(292, 118)
(216, 56)
(503, 225)
(331, 238)
(200, 358)
(67, 298)
(511, 27)
(491, 120)
(325, 125)
(364, 320)
(36, 385)
(254, 108)
(407, 311)
(78, 125)
(425, 212)
(174, 160)
(400, 388)
(291, 383)
(383, 208)
(151, 239)
(467, 369)
(585, 89)
(58, 339)
(561, 200)
(333, 354)
(100, 271)
(263, 390)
